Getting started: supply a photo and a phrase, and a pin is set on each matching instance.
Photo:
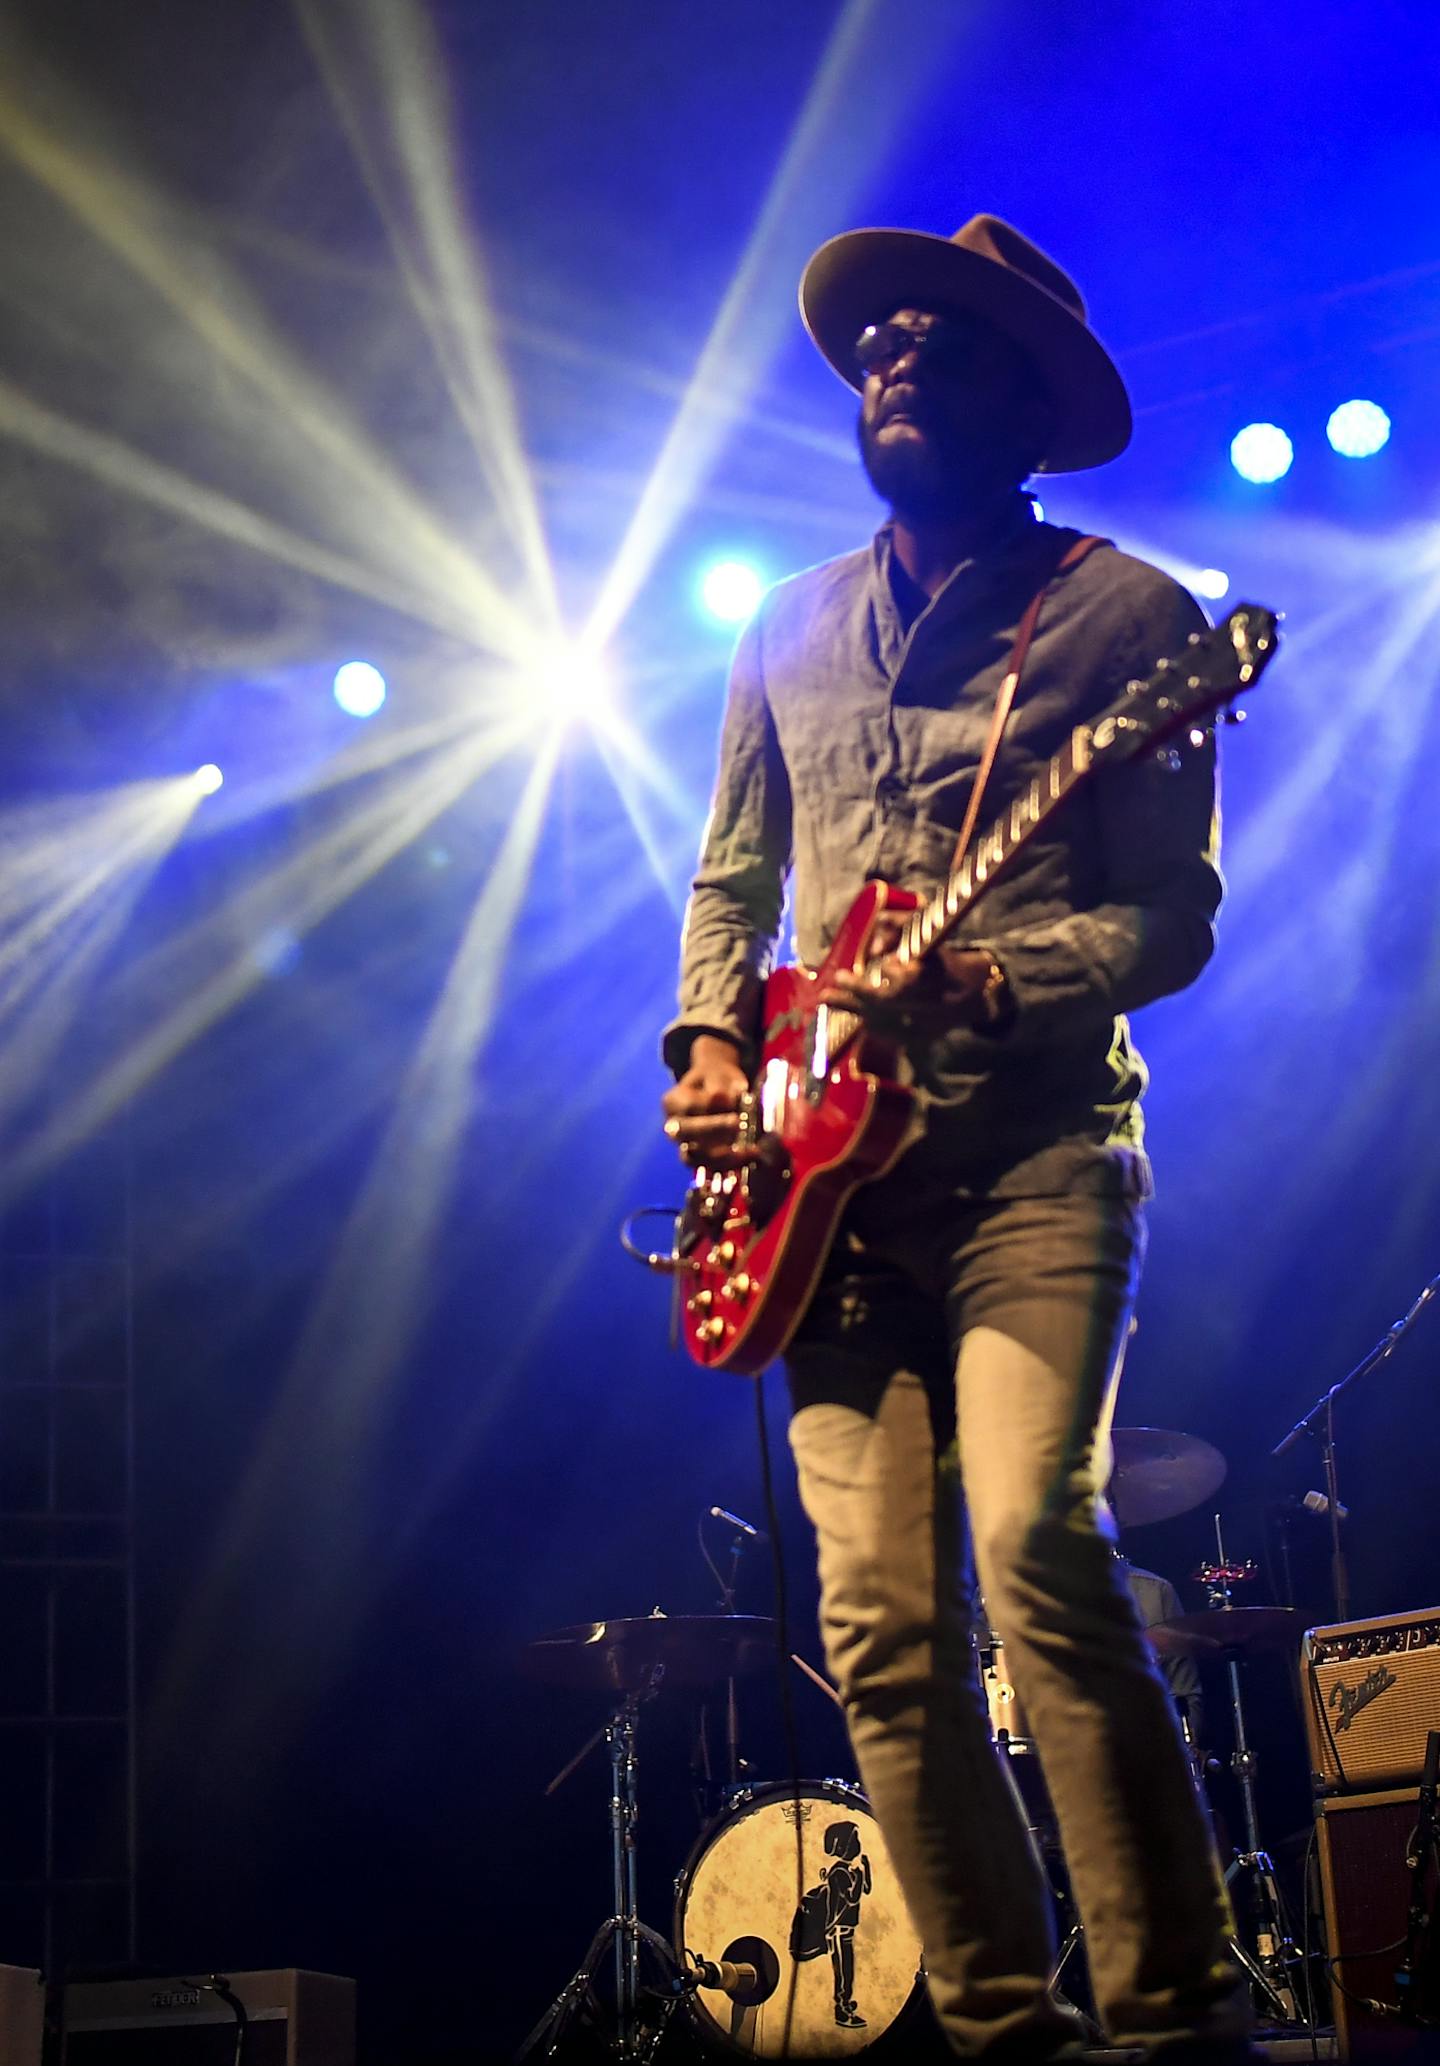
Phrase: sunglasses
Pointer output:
(942, 341)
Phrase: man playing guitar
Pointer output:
(981, 1287)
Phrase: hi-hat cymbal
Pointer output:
(625, 1656)
(1217, 1629)
(1159, 1473)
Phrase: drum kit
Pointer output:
(790, 1935)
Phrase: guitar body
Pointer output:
(753, 1240)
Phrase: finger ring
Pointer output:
(672, 1129)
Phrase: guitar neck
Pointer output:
(982, 861)
(986, 856)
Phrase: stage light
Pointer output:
(359, 688)
(1038, 508)
(1211, 583)
(1358, 430)
(207, 779)
(1261, 452)
(574, 682)
(730, 591)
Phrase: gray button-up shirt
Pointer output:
(849, 748)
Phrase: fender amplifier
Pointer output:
(1372, 1696)
(292, 2019)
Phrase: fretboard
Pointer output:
(982, 861)
(979, 865)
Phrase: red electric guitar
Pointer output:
(827, 1112)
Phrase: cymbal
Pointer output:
(1159, 1473)
(1217, 1629)
(624, 1656)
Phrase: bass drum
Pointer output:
(801, 1889)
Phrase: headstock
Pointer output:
(1186, 693)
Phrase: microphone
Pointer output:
(729, 1978)
(720, 1513)
(1313, 1503)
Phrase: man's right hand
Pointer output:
(702, 1112)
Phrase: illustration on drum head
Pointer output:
(829, 1915)
(795, 1891)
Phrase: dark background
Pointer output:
(375, 1027)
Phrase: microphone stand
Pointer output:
(732, 1705)
(1320, 1421)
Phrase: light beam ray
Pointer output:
(49, 956)
(449, 294)
(363, 490)
(297, 895)
(1369, 704)
(113, 463)
(364, 1313)
(622, 769)
(823, 162)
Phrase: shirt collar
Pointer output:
(1014, 537)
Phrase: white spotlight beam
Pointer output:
(849, 114)
(48, 956)
(296, 895)
(406, 88)
(354, 487)
(118, 465)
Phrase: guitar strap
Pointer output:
(1006, 695)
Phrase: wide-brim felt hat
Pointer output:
(989, 269)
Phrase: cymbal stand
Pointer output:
(1275, 1956)
(622, 1933)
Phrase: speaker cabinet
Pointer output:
(294, 2019)
(1372, 1697)
(22, 2016)
(1365, 1889)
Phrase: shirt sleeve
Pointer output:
(732, 920)
(1158, 838)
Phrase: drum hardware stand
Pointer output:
(1320, 1421)
(623, 1932)
(1271, 1965)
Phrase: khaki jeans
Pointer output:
(999, 1325)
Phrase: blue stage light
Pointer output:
(1358, 430)
(730, 590)
(207, 779)
(359, 688)
(1261, 452)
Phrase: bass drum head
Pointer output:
(803, 1890)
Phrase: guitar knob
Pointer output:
(701, 1303)
(724, 1253)
(740, 1286)
(711, 1330)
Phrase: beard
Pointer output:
(943, 478)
